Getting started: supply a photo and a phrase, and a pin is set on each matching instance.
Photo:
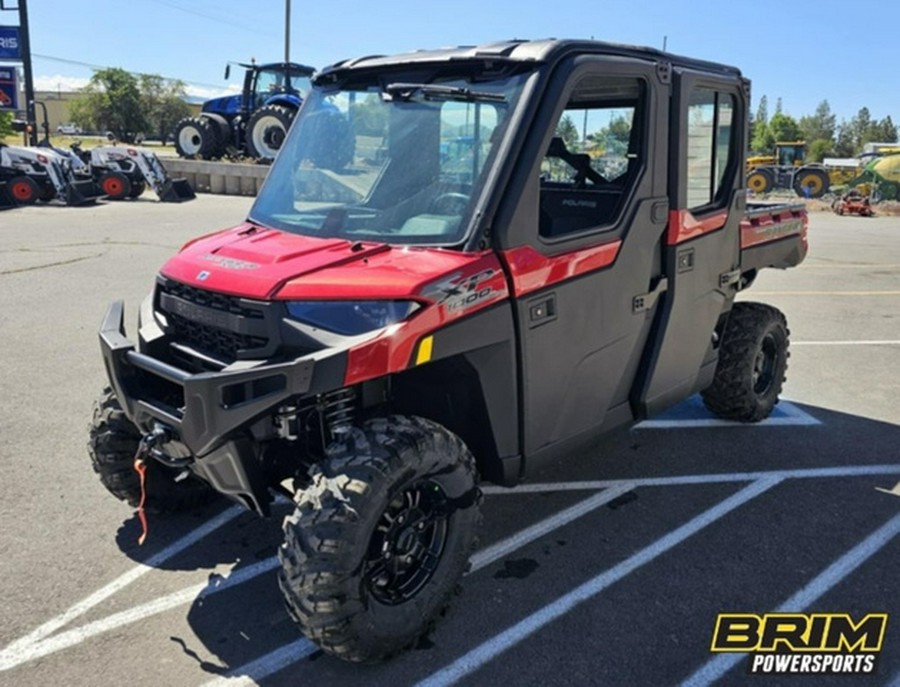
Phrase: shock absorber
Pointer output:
(338, 410)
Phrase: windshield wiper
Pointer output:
(405, 91)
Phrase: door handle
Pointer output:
(541, 310)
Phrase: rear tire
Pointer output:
(812, 183)
(378, 542)
(112, 444)
(24, 190)
(195, 137)
(752, 364)
(115, 185)
(266, 131)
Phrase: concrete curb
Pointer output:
(223, 178)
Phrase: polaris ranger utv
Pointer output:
(528, 245)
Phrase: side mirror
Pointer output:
(227, 71)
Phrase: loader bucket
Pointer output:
(176, 191)
(82, 192)
(6, 201)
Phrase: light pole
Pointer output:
(287, 31)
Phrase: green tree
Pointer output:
(784, 127)
(845, 145)
(111, 101)
(819, 149)
(568, 132)
(762, 111)
(6, 124)
(763, 141)
(163, 104)
(819, 126)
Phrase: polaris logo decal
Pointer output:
(230, 263)
(203, 275)
(570, 203)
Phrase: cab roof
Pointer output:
(524, 51)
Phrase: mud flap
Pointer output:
(176, 191)
(82, 192)
(6, 201)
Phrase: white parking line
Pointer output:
(714, 478)
(819, 585)
(495, 646)
(871, 342)
(38, 648)
(284, 656)
(10, 656)
(266, 665)
(786, 415)
(197, 592)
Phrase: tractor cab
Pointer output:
(273, 84)
(791, 154)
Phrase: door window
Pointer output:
(594, 156)
(711, 150)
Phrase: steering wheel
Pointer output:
(449, 204)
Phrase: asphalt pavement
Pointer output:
(608, 568)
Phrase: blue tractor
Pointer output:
(253, 123)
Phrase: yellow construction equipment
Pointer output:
(787, 169)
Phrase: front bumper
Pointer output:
(211, 412)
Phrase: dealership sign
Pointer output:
(9, 88)
(10, 43)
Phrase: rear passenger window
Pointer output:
(711, 147)
(593, 159)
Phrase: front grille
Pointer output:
(210, 299)
(214, 324)
(218, 342)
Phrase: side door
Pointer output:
(583, 242)
(701, 255)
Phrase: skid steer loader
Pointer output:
(33, 174)
(125, 172)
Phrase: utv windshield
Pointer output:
(388, 160)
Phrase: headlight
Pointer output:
(351, 317)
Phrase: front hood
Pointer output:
(254, 262)
(225, 103)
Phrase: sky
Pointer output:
(800, 52)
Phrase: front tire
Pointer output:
(752, 364)
(760, 181)
(112, 445)
(195, 137)
(379, 540)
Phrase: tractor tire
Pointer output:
(380, 539)
(266, 130)
(760, 181)
(752, 364)
(47, 193)
(195, 137)
(137, 188)
(222, 130)
(811, 183)
(112, 444)
(114, 185)
(24, 190)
